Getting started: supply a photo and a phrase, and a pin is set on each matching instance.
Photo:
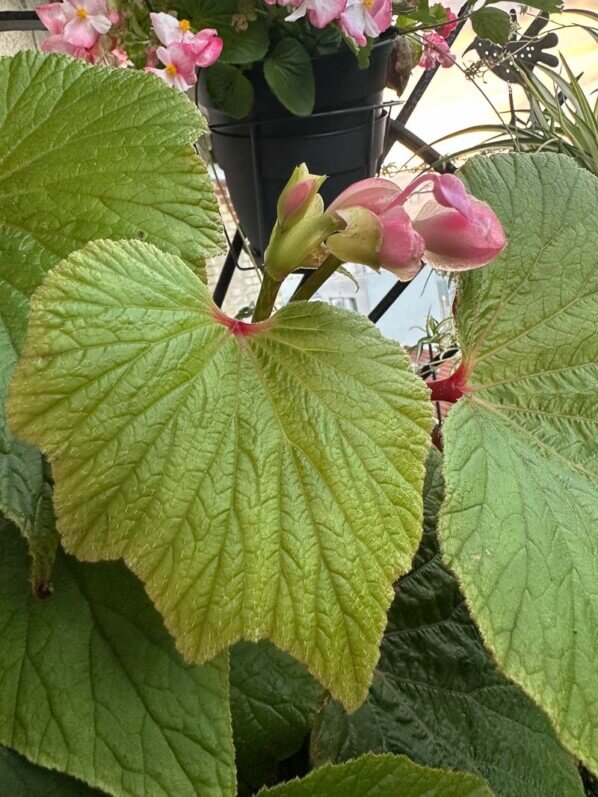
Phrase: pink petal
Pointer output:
(402, 246)
(450, 192)
(353, 23)
(323, 12)
(100, 23)
(206, 47)
(166, 28)
(373, 193)
(162, 74)
(455, 243)
(52, 17)
(80, 33)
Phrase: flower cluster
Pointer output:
(359, 19)
(92, 31)
(369, 224)
(182, 51)
(82, 28)
(436, 49)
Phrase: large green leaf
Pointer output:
(20, 778)
(519, 526)
(273, 705)
(264, 481)
(91, 685)
(437, 696)
(381, 776)
(85, 153)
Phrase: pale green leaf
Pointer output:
(91, 685)
(437, 695)
(20, 778)
(85, 153)
(520, 519)
(263, 484)
(381, 776)
(273, 705)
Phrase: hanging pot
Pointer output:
(343, 138)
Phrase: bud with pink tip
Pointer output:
(297, 196)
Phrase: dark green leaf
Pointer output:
(92, 685)
(230, 90)
(492, 24)
(289, 73)
(273, 704)
(20, 778)
(240, 46)
(543, 5)
(437, 696)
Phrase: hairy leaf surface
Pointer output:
(381, 776)
(264, 481)
(437, 695)
(91, 684)
(85, 153)
(519, 525)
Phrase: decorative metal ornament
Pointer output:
(525, 51)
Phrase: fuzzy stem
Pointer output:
(452, 388)
(267, 297)
(316, 280)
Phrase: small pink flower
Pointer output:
(179, 64)
(57, 44)
(118, 57)
(206, 47)
(320, 12)
(436, 51)
(450, 25)
(455, 242)
(86, 21)
(455, 232)
(366, 18)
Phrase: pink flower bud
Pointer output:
(455, 242)
(298, 195)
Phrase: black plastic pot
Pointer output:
(343, 138)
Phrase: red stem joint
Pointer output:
(452, 388)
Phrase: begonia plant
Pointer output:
(229, 554)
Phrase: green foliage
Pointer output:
(437, 695)
(230, 90)
(519, 523)
(273, 705)
(20, 778)
(289, 73)
(228, 476)
(242, 44)
(492, 24)
(92, 684)
(85, 153)
(381, 776)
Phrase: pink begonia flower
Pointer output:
(86, 21)
(320, 12)
(205, 46)
(436, 51)
(457, 243)
(366, 18)
(57, 44)
(449, 26)
(455, 232)
(52, 17)
(179, 64)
